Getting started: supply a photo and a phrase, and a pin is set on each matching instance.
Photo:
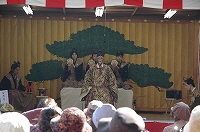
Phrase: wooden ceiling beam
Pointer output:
(133, 13)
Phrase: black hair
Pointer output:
(189, 81)
(119, 53)
(73, 51)
(94, 53)
(100, 53)
(14, 66)
(45, 117)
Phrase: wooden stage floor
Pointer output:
(156, 116)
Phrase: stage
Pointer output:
(70, 98)
(154, 121)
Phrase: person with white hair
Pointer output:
(14, 122)
(193, 124)
(124, 120)
(92, 106)
(105, 111)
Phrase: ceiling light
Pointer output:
(99, 11)
(27, 9)
(170, 13)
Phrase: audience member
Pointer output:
(194, 121)
(71, 120)
(14, 122)
(124, 120)
(106, 110)
(44, 102)
(45, 117)
(181, 112)
(92, 106)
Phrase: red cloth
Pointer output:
(32, 114)
(156, 126)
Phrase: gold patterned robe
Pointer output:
(100, 84)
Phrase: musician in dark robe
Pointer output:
(73, 69)
(120, 69)
(12, 82)
(194, 92)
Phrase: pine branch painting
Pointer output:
(99, 38)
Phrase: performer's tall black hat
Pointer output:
(119, 53)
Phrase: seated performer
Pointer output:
(72, 71)
(100, 83)
(12, 82)
(194, 93)
(92, 61)
(120, 69)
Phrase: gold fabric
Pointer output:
(103, 83)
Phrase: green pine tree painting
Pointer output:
(98, 38)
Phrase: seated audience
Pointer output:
(181, 112)
(106, 110)
(20, 100)
(71, 120)
(14, 122)
(92, 106)
(194, 121)
(124, 120)
(44, 102)
(44, 119)
(73, 69)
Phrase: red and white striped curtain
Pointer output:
(165, 4)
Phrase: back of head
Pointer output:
(45, 117)
(126, 120)
(94, 104)
(14, 122)
(72, 119)
(106, 110)
(194, 121)
(181, 110)
(46, 102)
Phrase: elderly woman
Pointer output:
(71, 120)
(72, 71)
(181, 112)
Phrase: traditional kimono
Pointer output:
(195, 99)
(73, 75)
(19, 99)
(122, 75)
(100, 84)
